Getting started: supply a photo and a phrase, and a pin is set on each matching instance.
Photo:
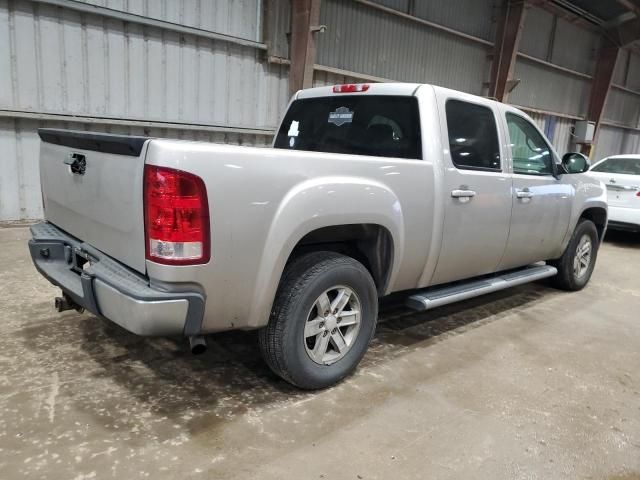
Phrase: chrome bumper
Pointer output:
(108, 289)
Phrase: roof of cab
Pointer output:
(406, 89)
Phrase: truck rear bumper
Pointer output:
(108, 289)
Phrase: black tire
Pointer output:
(567, 279)
(282, 341)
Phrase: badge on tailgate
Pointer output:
(77, 162)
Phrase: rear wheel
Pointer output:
(322, 321)
(576, 264)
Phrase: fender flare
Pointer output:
(317, 203)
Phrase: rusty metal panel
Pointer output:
(238, 18)
(548, 89)
(365, 40)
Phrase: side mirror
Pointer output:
(575, 162)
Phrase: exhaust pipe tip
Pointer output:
(197, 344)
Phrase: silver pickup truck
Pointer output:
(369, 190)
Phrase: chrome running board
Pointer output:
(438, 296)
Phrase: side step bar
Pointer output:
(436, 297)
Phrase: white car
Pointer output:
(621, 175)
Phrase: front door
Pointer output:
(541, 202)
(477, 190)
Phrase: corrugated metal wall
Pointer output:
(60, 64)
(278, 26)
(623, 108)
(559, 130)
(614, 141)
(19, 143)
(238, 18)
(549, 89)
(200, 69)
(556, 41)
(366, 40)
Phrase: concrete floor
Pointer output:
(529, 383)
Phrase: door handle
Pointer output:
(524, 193)
(463, 193)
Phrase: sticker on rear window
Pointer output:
(341, 116)
(293, 129)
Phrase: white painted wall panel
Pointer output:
(19, 143)
(58, 61)
(548, 89)
(62, 61)
(614, 141)
(365, 40)
(238, 18)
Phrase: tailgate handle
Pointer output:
(77, 162)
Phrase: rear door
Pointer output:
(477, 189)
(621, 175)
(92, 189)
(541, 202)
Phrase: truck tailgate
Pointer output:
(92, 189)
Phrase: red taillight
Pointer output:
(350, 88)
(176, 217)
(638, 193)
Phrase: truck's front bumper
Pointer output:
(108, 289)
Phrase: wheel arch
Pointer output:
(370, 244)
(329, 212)
(598, 215)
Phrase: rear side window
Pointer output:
(624, 165)
(473, 136)
(378, 125)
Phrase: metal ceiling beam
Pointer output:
(305, 17)
(506, 48)
(627, 31)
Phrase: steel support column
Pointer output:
(305, 16)
(506, 48)
(601, 85)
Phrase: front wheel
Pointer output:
(322, 320)
(576, 264)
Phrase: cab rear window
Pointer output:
(383, 126)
